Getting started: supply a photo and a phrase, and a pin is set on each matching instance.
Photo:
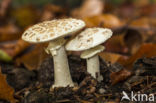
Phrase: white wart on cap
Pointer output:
(51, 30)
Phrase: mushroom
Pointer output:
(54, 32)
(89, 42)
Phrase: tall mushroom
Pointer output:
(54, 32)
(89, 42)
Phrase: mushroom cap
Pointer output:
(89, 38)
(51, 30)
(91, 52)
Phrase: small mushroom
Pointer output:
(54, 32)
(89, 42)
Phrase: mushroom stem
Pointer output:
(62, 77)
(93, 66)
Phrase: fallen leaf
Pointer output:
(25, 15)
(13, 49)
(151, 39)
(113, 102)
(112, 57)
(4, 6)
(34, 58)
(153, 22)
(104, 20)
(141, 3)
(6, 92)
(20, 47)
(51, 11)
(135, 36)
(87, 9)
(148, 10)
(116, 44)
(119, 76)
(146, 50)
(140, 23)
(9, 32)
(127, 10)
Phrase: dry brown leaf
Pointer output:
(104, 20)
(9, 32)
(119, 76)
(146, 50)
(13, 49)
(6, 92)
(149, 10)
(153, 22)
(112, 57)
(88, 9)
(26, 15)
(20, 47)
(82, 101)
(116, 44)
(34, 58)
(140, 3)
(127, 10)
(4, 6)
(135, 36)
(140, 23)
(112, 102)
(50, 11)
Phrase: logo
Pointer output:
(137, 97)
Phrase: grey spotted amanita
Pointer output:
(54, 32)
(89, 42)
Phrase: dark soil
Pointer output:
(33, 86)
